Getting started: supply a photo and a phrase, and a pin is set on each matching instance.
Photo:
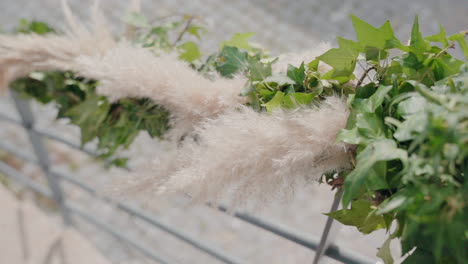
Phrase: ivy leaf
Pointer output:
(384, 252)
(37, 27)
(414, 125)
(240, 41)
(460, 38)
(445, 66)
(361, 216)
(296, 74)
(373, 102)
(440, 37)
(89, 115)
(275, 102)
(365, 91)
(378, 150)
(375, 54)
(231, 60)
(377, 178)
(417, 42)
(195, 30)
(258, 70)
(392, 204)
(313, 65)
(350, 136)
(342, 59)
(155, 121)
(296, 99)
(412, 105)
(370, 126)
(189, 51)
(349, 44)
(411, 61)
(368, 35)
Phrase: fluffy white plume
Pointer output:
(21, 54)
(123, 70)
(244, 155)
(130, 71)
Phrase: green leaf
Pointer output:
(189, 51)
(417, 42)
(369, 35)
(377, 178)
(412, 105)
(231, 60)
(313, 65)
(384, 252)
(275, 102)
(37, 27)
(428, 94)
(350, 136)
(375, 54)
(414, 125)
(349, 44)
(195, 30)
(370, 126)
(411, 60)
(440, 37)
(89, 115)
(372, 103)
(365, 91)
(240, 41)
(361, 216)
(378, 150)
(391, 204)
(460, 38)
(294, 100)
(446, 66)
(258, 70)
(296, 74)
(342, 59)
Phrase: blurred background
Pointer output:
(281, 26)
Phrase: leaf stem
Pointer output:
(366, 72)
(186, 28)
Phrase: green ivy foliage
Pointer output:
(113, 124)
(410, 125)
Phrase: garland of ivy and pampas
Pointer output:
(253, 127)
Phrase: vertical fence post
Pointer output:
(323, 245)
(42, 155)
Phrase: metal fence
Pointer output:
(70, 211)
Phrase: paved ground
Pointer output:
(30, 236)
(282, 26)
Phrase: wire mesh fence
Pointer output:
(71, 211)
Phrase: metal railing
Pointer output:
(69, 210)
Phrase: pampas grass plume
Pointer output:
(246, 156)
(122, 69)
